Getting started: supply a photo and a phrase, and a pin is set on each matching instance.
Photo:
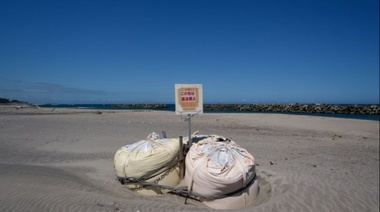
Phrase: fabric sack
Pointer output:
(221, 173)
(150, 160)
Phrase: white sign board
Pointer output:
(188, 99)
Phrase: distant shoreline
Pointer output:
(274, 108)
(359, 111)
(18, 105)
(225, 109)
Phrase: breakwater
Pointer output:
(276, 108)
(297, 108)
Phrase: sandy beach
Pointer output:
(62, 160)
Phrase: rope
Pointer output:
(182, 191)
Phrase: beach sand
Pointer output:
(62, 160)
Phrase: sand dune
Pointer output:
(62, 160)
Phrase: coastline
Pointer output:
(363, 109)
(62, 160)
(233, 108)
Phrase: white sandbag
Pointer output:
(222, 173)
(151, 160)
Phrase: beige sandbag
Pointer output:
(222, 173)
(151, 160)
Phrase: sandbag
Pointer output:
(222, 173)
(151, 160)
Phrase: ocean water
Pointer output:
(171, 107)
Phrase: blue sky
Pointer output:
(89, 51)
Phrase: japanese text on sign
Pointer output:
(189, 99)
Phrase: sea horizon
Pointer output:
(171, 107)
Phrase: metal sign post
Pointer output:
(188, 101)
(190, 140)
